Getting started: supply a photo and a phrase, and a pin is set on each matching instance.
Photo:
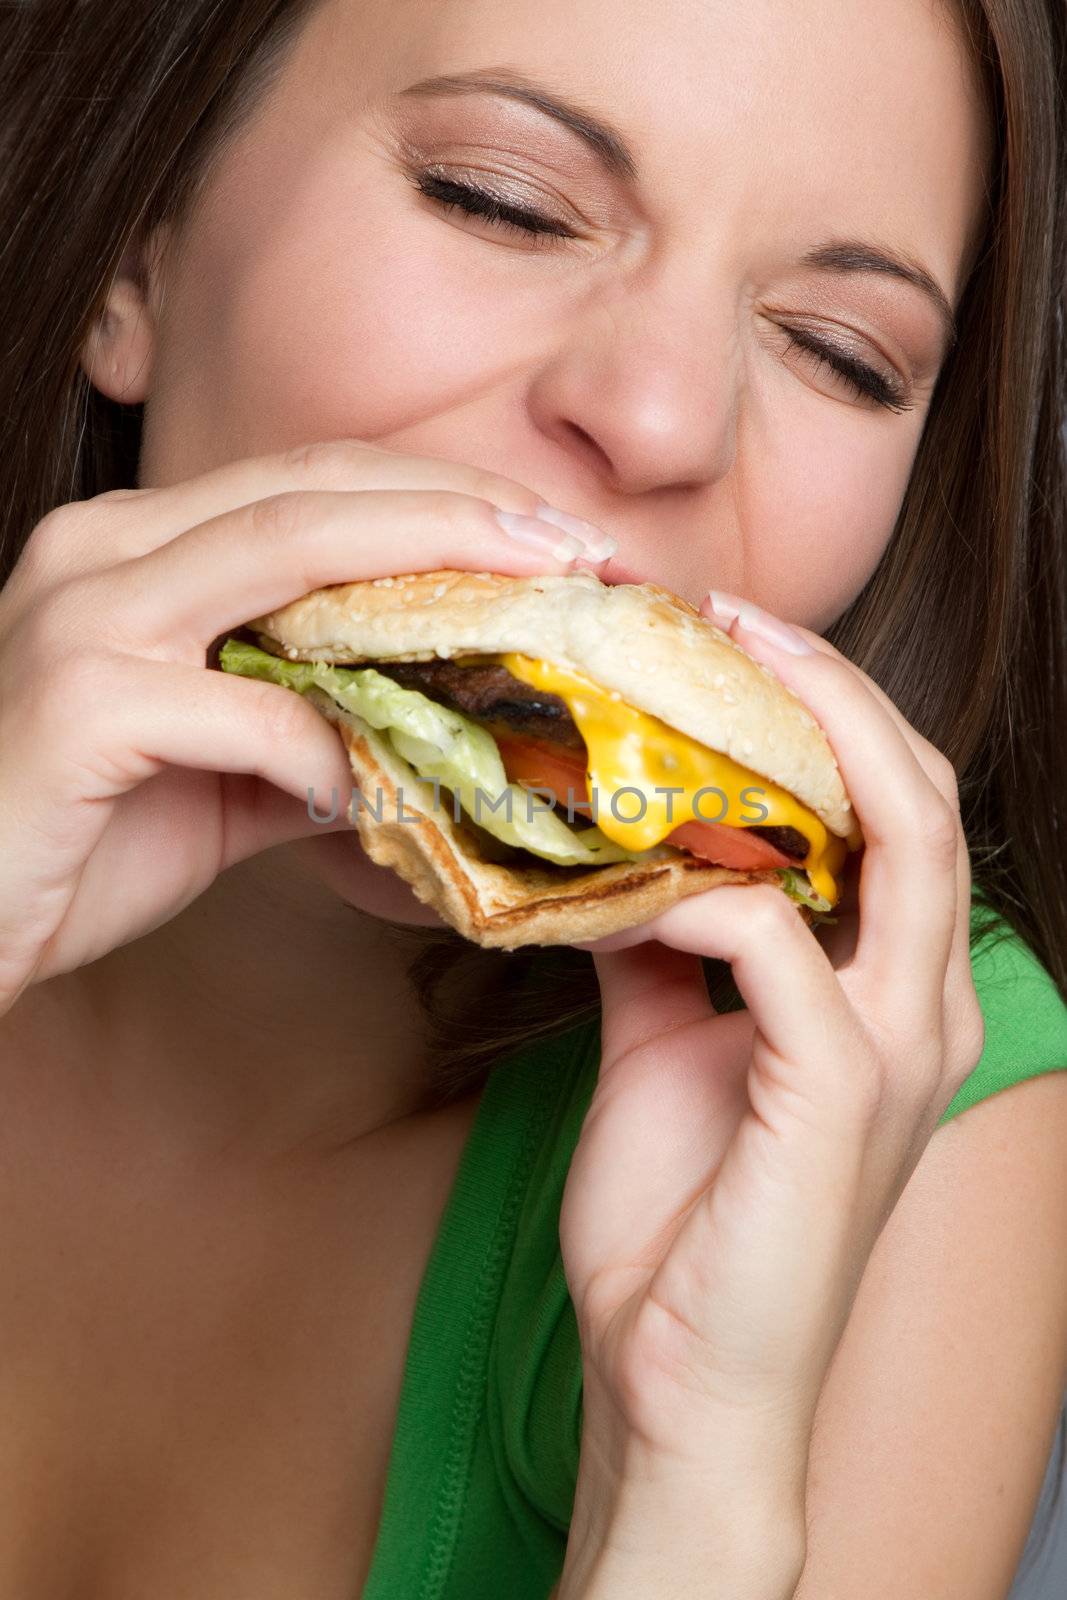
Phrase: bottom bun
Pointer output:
(456, 867)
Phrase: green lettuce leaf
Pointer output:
(796, 886)
(439, 744)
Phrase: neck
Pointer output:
(266, 1019)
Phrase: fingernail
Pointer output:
(724, 606)
(541, 536)
(755, 620)
(600, 545)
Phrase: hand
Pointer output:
(734, 1171)
(105, 625)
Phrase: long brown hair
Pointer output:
(112, 115)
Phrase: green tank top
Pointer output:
(484, 1458)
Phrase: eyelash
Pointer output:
(856, 375)
(477, 202)
(863, 381)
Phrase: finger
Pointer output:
(171, 841)
(963, 1028)
(909, 890)
(104, 724)
(779, 969)
(928, 756)
(647, 991)
(958, 989)
(254, 559)
(122, 523)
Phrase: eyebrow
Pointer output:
(616, 157)
(853, 255)
(605, 141)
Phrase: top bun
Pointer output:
(654, 648)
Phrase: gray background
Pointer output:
(1042, 1573)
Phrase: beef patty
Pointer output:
(491, 693)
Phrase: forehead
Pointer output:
(860, 115)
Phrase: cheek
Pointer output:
(820, 509)
(339, 861)
(350, 317)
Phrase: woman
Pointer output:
(293, 1294)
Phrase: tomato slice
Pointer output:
(546, 766)
(542, 765)
(728, 846)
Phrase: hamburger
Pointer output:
(550, 759)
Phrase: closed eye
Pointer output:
(478, 202)
(864, 381)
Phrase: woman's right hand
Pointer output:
(131, 775)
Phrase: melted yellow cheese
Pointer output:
(634, 757)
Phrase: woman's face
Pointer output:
(639, 372)
(636, 363)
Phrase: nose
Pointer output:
(643, 387)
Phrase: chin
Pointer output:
(339, 861)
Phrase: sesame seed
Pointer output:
(439, 589)
(387, 583)
(633, 663)
(614, 695)
(718, 680)
(728, 698)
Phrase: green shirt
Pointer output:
(485, 1454)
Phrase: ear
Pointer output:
(118, 351)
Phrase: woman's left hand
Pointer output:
(734, 1171)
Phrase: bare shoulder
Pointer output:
(936, 1421)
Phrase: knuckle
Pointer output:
(281, 713)
(949, 1085)
(968, 1039)
(770, 913)
(942, 774)
(53, 542)
(76, 536)
(500, 491)
(937, 833)
(281, 517)
(333, 463)
(327, 460)
(453, 509)
(117, 496)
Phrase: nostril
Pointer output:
(586, 442)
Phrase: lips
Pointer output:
(615, 571)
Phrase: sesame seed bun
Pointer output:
(658, 653)
(654, 649)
